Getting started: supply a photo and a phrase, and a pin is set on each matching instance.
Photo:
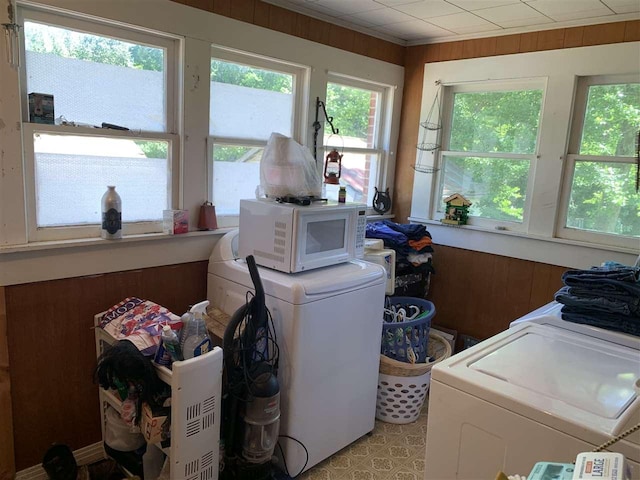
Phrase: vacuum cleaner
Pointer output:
(251, 398)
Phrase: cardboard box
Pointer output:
(175, 221)
(154, 424)
(41, 108)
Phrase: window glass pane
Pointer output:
(236, 174)
(496, 121)
(603, 198)
(359, 174)
(249, 102)
(96, 79)
(355, 115)
(72, 174)
(496, 186)
(611, 120)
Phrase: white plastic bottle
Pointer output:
(111, 214)
(196, 340)
(171, 343)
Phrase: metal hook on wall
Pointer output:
(317, 125)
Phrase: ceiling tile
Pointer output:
(429, 9)
(623, 6)
(414, 29)
(464, 22)
(516, 15)
(570, 9)
(395, 3)
(473, 5)
(382, 16)
(346, 8)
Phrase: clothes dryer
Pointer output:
(328, 323)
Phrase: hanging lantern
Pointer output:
(333, 167)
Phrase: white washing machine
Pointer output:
(543, 390)
(328, 323)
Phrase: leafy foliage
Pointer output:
(83, 46)
(350, 106)
(504, 122)
(244, 76)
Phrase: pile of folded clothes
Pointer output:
(607, 297)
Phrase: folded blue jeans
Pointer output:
(623, 305)
(618, 323)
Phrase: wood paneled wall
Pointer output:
(420, 55)
(479, 294)
(7, 465)
(293, 23)
(52, 350)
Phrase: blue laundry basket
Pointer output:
(399, 339)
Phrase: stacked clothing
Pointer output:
(411, 242)
(607, 297)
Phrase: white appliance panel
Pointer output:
(584, 376)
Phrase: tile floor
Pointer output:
(391, 452)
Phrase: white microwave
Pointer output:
(295, 238)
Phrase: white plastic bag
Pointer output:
(288, 169)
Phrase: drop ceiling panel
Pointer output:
(514, 15)
(426, 21)
(472, 5)
(383, 16)
(348, 7)
(464, 22)
(570, 9)
(429, 9)
(623, 6)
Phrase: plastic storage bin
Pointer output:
(397, 337)
(403, 387)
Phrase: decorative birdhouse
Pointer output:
(457, 210)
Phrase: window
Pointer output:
(600, 202)
(490, 141)
(358, 109)
(251, 97)
(97, 74)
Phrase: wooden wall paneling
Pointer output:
(361, 43)
(222, 7)
(480, 47)
(431, 53)
(242, 10)
(528, 42)
(573, 37)
(53, 349)
(282, 20)
(7, 463)
(341, 37)
(632, 31)
(318, 31)
(515, 300)
(603, 33)
(507, 44)
(201, 4)
(261, 14)
(551, 39)
(451, 51)
(547, 280)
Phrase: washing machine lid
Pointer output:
(561, 378)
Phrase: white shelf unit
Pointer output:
(196, 386)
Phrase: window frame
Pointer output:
(449, 91)
(172, 48)
(382, 134)
(573, 156)
(301, 75)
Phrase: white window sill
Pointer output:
(554, 251)
(41, 261)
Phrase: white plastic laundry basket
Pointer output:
(403, 387)
(400, 399)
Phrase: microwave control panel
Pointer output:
(361, 229)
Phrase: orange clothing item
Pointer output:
(420, 244)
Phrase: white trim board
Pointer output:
(84, 456)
